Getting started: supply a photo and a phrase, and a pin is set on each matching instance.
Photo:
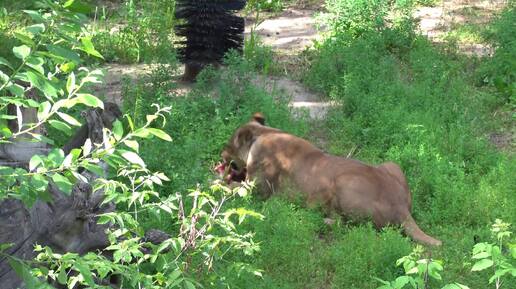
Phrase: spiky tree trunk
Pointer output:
(211, 29)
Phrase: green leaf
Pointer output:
(88, 47)
(70, 83)
(62, 183)
(35, 15)
(189, 285)
(69, 119)
(36, 63)
(39, 183)
(85, 271)
(59, 125)
(42, 84)
(56, 156)
(133, 158)
(94, 76)
(5, 131)
(67, 67)
(401, 281)
(94, 169)
(132, 144)
(4, 77)
(118, 130)
(5, 62)
(159, 133)
(36, 28)
(142, 132)
(63, 53)
(78, 6)
(172, 277)
(499, 273)
(21, 51)
(481, 255)
(130, 121)
(16, 89)
(89, 100)
(23, 271)
(62, 277)
(455, 286)
(44, 110)
(34, 162)
(24, 39)
(482, 264)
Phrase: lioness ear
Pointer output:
(244, 137)
(259, 118)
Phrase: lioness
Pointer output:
(274, 158)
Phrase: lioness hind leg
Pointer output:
(394, 170)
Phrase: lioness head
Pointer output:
(236, 150)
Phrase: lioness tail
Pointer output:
(413, 230)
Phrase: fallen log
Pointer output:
(67, 223)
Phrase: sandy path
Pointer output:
(288, 34)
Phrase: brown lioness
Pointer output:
(274, 158)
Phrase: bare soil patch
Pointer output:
(438, 22)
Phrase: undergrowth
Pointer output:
(403, 100)
(407, 101)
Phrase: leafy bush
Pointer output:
(356, 16)
(143, 32)
(260, 56)
(407, 101)
(419, 272)
(499, 70)
(266, 5)
(45, 76)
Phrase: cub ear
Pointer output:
(259, 118)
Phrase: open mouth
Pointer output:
(230, 172)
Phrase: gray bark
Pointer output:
(68, 223)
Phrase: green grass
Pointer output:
(467, 33)
(407, 102)
(403, 100)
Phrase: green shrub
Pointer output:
(266, 5)
(407, 101)
(141, 32)
(499, 71)
(356, 16)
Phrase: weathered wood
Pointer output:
(68, 223)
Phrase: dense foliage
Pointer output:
(44, 74)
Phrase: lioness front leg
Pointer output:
(266, 179)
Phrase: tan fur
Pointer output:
(274, 158)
